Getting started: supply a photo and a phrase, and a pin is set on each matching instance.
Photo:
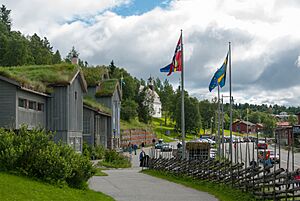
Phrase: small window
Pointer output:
(32, 105)
(40, 107)
(75, 95)
(22, 102)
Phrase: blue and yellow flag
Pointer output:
(219, 77)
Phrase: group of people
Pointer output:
(132, 148)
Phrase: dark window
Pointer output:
(32, 105)
(75, 95)
(40, 107)
(22, 102)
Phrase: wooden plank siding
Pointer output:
(31, 117)
(7, 105)
(88, 126)
(65, 113)
(95, 127)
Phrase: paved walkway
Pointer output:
(131, 185)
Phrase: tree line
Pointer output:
(18, 50)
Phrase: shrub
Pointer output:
(93, 152)
(115, 160)
(34, 153)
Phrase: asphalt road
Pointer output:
(131, 185)
(283, 155)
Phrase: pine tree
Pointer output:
(5, 17)
(56, 59)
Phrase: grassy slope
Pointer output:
(161, 130)
(222, 192)
(20, 188)
(134, 124)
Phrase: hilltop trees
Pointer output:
(18, 50)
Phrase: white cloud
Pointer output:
(261, 32)
(298, 62)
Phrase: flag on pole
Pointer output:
(219, 77)
(176, 64)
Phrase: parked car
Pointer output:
(166, 147)
(210, 141)
(246, 139)
(261, 145)
(158, 145)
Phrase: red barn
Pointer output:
(243, 126)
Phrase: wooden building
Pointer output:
(243, 126)
(107, 92)
(52, 97)
(96, 121)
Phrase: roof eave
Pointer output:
(93, 109)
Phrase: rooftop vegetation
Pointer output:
(106, 88)
(89, 101)
(94, 74)
(40, 77)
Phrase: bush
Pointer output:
(115, 160)
(34, 153)
(93, 152)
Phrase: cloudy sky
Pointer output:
(141, 35)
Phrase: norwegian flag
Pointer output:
(176, 64)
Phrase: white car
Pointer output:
(210, 141)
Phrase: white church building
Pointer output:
(150, 92)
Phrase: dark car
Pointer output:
(166, 147)
(158, 145)
(246, 139)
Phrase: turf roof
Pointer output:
(94, 74)
(41, 77)
(89, 101)
(106, 88)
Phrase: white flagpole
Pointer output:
(219, 120)
(182, 102)
(230, 94)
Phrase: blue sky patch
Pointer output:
(138, 7)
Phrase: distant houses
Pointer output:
(58, 98)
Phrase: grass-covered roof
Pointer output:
(40, 77)
(107, 87)
(93, 75)
(89, 101)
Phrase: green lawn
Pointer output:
(20, 188)
(222, 192)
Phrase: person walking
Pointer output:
(142, 158)
(135, 148)
(130, 151)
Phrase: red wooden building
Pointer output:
(241, 126)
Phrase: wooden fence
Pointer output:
(266, 183)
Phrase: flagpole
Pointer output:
(182, 102)
(219, 119)
(230, 94)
